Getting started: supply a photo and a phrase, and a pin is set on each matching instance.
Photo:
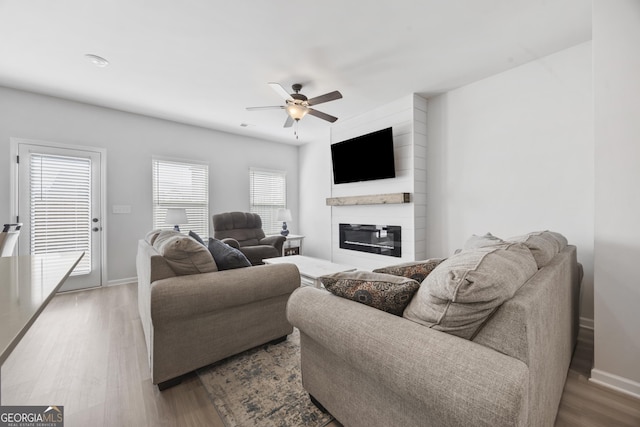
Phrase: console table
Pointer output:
(27, 284)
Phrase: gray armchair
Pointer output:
(243, 230)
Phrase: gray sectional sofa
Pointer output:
(368, 367)
(194, 315)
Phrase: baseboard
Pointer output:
(615, 382)
(122, 281)
(586, 323)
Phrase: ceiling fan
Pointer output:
(298, 105)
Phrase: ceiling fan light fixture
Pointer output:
(297, 111)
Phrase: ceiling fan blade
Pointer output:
(289, 122)
(273, 107)
(280, 91)
(325, 98)
(321, 115)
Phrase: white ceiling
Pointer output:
(202, 62)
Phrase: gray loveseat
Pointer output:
(193, 320)
(371, 368)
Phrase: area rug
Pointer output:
(262, 387)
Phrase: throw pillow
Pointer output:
(542, 245)
(184, 255)
(562, 241)
(195, 236)
(227, 257)
(465, 289)
(417, 270)
(476, 241)
(151, 236)
(382, 291)
(163, 236)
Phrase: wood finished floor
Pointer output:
(87, 352)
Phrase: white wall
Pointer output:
(401, 117)
(513, 153)
(616, 31)
(315, 188)
(407, 117)
(130, 141)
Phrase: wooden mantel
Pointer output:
(372, 199)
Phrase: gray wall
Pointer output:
(130, 141)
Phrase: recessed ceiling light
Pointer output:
(96, 60)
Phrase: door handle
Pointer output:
(95, 229)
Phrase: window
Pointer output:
(60, 214)
(268, 193)
(179, 184)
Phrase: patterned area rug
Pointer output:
(262, 387)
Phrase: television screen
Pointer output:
(364, 158)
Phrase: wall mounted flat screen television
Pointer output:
(364, 158)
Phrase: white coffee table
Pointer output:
(311, 269)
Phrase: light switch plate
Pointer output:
(121, 209)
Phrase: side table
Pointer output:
(293, 245)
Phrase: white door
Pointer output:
(59, 205)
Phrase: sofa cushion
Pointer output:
(227, 257)
(162, 237)
(197, 238)
(476, 241)
(460, 294)
(416, 270)
(184, 254)
(151, 236)
(562, 241)
(382, 291)
(543, 245)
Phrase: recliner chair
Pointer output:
(243, 230)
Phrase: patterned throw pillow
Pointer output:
(417, 270)
(382, 291)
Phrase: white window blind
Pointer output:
(268, 193)
(60, 216)
(178, 184)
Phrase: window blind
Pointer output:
(268, 193)
(60, 216)
(178, 184)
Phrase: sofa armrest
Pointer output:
(185, 296)
(275, 241)
(461, 382)
(231, 242)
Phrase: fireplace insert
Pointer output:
(377, 239)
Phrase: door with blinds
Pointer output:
(59, 206)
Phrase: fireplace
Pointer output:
(377, 239)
